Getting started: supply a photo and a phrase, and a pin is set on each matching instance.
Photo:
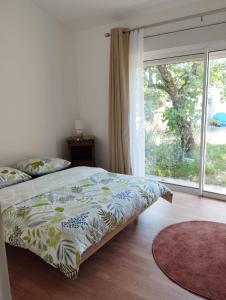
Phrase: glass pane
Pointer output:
(173, 104)
(215, 173)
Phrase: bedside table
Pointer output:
(82, 151)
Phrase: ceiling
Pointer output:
(83, 14)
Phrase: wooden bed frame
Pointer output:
(91, 250)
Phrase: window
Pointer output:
(215, 167)
(179, 148)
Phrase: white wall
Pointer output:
(37, 82)
(92, 50)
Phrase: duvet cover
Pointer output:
(60, 215)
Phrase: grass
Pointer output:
(166, 160)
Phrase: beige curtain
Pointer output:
(119, 102)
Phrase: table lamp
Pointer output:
(79, 127)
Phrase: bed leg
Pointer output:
(135, 222)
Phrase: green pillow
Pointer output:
(10, 176)
(42, 166)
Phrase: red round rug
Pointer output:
(193, 255)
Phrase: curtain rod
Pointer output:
(185, 29)
(199, 15)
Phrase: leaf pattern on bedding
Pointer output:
(60, 224)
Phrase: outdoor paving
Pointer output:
(216, 135)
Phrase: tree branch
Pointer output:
(157, 86)
(187, 78)
(169, 84)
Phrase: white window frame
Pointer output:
(176, 54)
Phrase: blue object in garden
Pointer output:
(221, 118)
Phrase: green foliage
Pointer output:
(216, 164)
(218, 76)
(168, 164)
(186, 79)
(166, 159)
(179, 98)
(215, 123)
(174, 116)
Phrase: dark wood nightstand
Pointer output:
(82, 151)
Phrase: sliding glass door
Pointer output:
(215, 160)
(173, 107)
(185, 121)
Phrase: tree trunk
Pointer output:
(187, 139)
(185, 130)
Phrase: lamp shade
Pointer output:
(78, 125)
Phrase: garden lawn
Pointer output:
(166, 160)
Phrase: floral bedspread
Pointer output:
(60, 215)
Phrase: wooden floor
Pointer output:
(122, 269)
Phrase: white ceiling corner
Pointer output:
(84, 14)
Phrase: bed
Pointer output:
(66, 216)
